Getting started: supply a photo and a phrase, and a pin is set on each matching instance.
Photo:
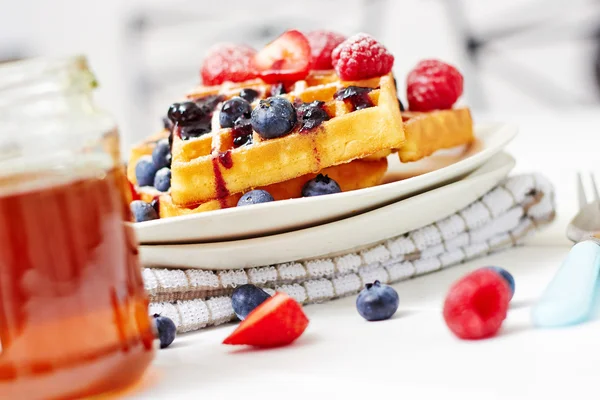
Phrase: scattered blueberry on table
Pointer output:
(165, 329)
(145, 170)
(254, 197)
(320, 185)
(142, 211)
(246, 298)
(274, 117)
(162, 179)
(377, 302)
(507, 277)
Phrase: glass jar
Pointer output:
(73, 311)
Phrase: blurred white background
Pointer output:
(518, 55)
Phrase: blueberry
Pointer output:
(274, 117)
(185, 113)
(161, 155)
(249, 95)
(320, 185)
(311, 115)
(167, 123)
(209, 103)
(246, 298)
(145, 171)
(142, 211)
(196, 130)
(242, 132)
(507, 277)
(162, 180)
(166, 330)
(232, 110)
(155, 203)
(255, 197)
(357, 96)
(377, 302)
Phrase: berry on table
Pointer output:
(255, 197)
(145, 171)
(162, 179)
(161, 155)
(311, 115)
(320, 185)
(476, 305)
(433, 85)
(273, 117)
(322, 43)
(377, 302)
(278, 321)
(248, 94)
(142, 211)
(286, 59)
(507, 277)
(232, 110)
(165, 329)
(228, 62)
(361, 57)
(246, 298)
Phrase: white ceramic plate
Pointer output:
(335, 237)
(284, 216)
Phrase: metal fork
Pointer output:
(573, 295)
(586, 223)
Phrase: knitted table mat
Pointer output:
(502, 218)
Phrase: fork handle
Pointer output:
(569, 297)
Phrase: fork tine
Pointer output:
(595, 187)
(581, 191)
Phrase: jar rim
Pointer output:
(70, 70)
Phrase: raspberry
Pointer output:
(228, 62)
(477, 304)
(433, 85)
(322, 43)
(361, 57)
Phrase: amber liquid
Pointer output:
(73, 311)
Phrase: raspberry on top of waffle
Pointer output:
(272, 120)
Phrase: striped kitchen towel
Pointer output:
(502, 218)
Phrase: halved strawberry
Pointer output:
(132, 192)
(276, 322)
(286, 59)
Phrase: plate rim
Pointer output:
(508, 164)
(462, 166)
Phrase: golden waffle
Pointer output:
(427, 132)
(208, 167)
(357, 174)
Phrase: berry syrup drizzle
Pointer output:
(357, 97)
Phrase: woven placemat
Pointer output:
(502, 218)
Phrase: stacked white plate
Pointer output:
(417, 194)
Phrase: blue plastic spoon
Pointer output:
(569, 298)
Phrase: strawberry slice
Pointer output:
(278, 321)
(286, 59)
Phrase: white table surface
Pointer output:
(413, 355)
